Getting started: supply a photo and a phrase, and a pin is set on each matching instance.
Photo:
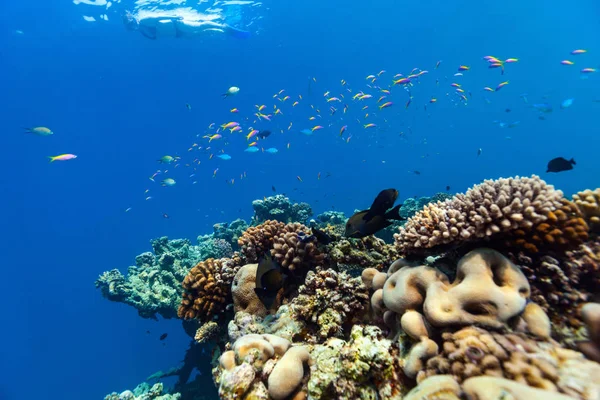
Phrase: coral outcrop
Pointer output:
(257, 240)
(329, 303)
(207, 288)
(485, 210)
(354, 255)
(473, 352)
(153, 285)
(280, 208)
(294, 253)
(230, 232)
(144, 392)
(211, 247)
(262, 367)
(588, 202)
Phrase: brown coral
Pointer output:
(330, 301)
(473, 352)
(295, 254)
(564, 228)
(588, 202)
(368, 252)
(256, 240)
(485, 210)
(205, 293)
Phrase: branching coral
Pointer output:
(206, 289)
(257, 240)
(485, 210)
(473, 352)
(293, 253)
(153, 285)
(329, 301)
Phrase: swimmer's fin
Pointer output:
(238, 33)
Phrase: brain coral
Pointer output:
(487, 209)
(207, 289)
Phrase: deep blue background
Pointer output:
(117, 100)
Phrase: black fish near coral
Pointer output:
(560, 164)
(269, 280)
(383, 202)
(322, 237)
(359, 225)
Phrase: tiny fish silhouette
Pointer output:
(163, 336)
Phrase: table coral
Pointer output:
(485, 210)
(153, 285)
(329, 301)
(206, 290)
(280, 208)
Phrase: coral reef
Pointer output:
(279, 208)
(588, 202)
(329, 302)
(211, 247)
(207, 288)
(364, 367)
(293, 253)
(153, 285)
(481, 296)
(473, 352)
(144, 392)
(230, 232)
(262, 367)
(257, 240)
(354, 255)
(591, 317)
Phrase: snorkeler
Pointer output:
(153, 25)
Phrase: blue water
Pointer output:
(117, 100)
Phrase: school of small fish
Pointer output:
(341, 110)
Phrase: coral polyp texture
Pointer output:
(207, 289)
(488, 209)
(293, 253)
(257, 240)
(588, 202)
(329, 302)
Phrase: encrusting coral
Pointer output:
(358, 254)
(144, 392)
(329, 301)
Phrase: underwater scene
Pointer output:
(277, 200)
